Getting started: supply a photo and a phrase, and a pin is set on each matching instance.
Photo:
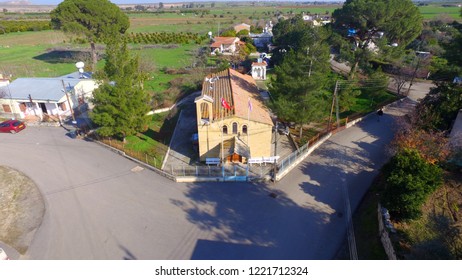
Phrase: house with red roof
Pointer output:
(225, 45)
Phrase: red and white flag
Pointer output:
(250, 105)
(225, 104)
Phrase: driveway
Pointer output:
(100, 205)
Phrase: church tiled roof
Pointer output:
(238, 90)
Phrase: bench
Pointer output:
(215, 161)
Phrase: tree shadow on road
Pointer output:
(251, 221)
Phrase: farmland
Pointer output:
(33, 44)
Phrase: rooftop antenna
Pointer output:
(211, 81)
(80, 66)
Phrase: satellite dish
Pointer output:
(80, 66)
(210, 34)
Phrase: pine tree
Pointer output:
(299, 88)
(121, 103)
(382, 22)
(95, 20)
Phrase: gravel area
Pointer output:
(21, 209)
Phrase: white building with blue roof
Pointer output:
(32, 98)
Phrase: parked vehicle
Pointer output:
(282, 128)
(12, 126)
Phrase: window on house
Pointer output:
(22, 107)
(244, 129)
(234, 128)
(225, 130)
(6, 108)
(62, 106)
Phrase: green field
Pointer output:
(173, 57)
(27, 53)
(31, 61)
(434, 11)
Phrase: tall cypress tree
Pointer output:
(121, 103)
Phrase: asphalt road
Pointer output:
(99, 207)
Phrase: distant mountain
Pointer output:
(16, 2)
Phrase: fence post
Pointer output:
(146, 158)
(196, 171)
(209, 169)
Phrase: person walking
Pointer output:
(379, 114)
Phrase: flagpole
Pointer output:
(222, 155)
(248, 132)
(248, 124)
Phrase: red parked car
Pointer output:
(12, 126)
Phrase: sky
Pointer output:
(55, 2)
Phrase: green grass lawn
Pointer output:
(175, 57)
(29, 61)
(433, 11)
(365, 104)
(151, 146)
(159, 81)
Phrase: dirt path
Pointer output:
(21, 209)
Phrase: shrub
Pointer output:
(409, 181)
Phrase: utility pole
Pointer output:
(336, 105)
(69, 102)
(417, 66)
(334, 97)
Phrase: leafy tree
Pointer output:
(298, 96)
(399, 20)
(409, 181)
(121, 103)
(243, 32)
(296, 34)
(347, 94)
(440, 107)
(140, 8)
(228, 33)
(256, 29)
(95, 20)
